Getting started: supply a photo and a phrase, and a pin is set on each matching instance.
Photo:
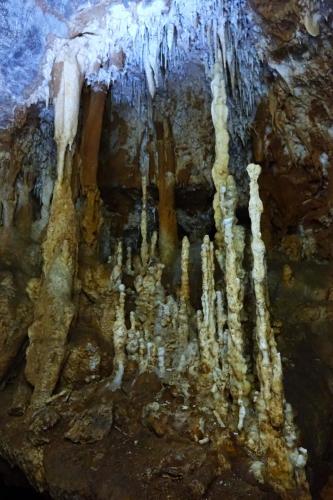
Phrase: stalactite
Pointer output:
(168, 233)
(220, 169)
(89, 149)
(67, 83)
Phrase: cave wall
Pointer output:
(292, 132)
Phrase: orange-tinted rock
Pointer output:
(89, 149)
(53, 297)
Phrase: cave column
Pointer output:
(53, 293)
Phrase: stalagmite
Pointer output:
(269, 361)
(285, 461)
(117, 270)
(143, 225)
(220, 169)
(119, 341)
(239, 385)
(54, 305)
(185, 283)
(209, 351)
(223, 340)
(153, 245)
(168, 232)
(161, 361)
(184, 305)
(150, 293)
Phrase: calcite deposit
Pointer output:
(165, 225)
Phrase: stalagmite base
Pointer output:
(53, 297)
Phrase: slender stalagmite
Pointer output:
(143, 224)
(119, 341)
(269, 367)
(284, 460)
(185, 284)
(239, 385)
(184, 301)
(209, 349)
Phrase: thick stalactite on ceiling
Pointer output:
(137, 325)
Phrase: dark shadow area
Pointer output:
(14, 484)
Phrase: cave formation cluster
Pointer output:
(218, 353)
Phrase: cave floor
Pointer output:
(133, 457)
(91, 443)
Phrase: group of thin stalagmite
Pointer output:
(200, 351)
